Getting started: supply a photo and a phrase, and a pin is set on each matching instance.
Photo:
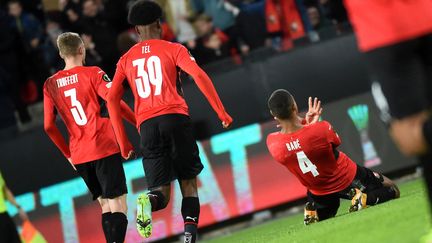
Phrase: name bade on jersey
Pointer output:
(293, 145)
(65, 81)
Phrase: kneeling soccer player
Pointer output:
(310, 153)
(75, 93)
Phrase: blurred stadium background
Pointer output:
(249, 49)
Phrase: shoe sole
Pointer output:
(144, 217)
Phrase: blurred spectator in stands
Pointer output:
(223, 14)
(284, 23)
(250, 22)
(126, 40)
(332, 10)
(32, 36)
(50, 51)
(316, 19)
(9, 75)
(92, 56)
(115, 13)
(71, 11)
(94, 24)
(177, 14)
(27, 25)
(335, 10)
(212, 43)
(35, 7)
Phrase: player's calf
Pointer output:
(310, 214)
(114, 220)
(190, 211)
(106, 215)
(118, 220)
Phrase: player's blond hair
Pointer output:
(68, 44)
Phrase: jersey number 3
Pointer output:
(306, 165)
(148, 73)
(77, 109)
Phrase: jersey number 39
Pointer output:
(149, 72)
(306, 165)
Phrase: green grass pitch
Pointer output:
(403, 220)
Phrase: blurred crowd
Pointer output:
(211, 30)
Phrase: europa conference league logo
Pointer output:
(360, 116)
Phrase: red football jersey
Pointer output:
(152, 70)
(380, 23)
(309, 154)
(76, 95)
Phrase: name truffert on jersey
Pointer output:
(293, 145)
(65, 81)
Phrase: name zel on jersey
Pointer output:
(293, 145)
(65, 81)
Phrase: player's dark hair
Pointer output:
(144, 12)
(281, 104)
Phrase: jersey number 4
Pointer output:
(77, 109)
(148, 73)
(306, 165)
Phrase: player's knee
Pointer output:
(104, 205)
(162, 199)
(408, 134)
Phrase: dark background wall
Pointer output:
(331, 70)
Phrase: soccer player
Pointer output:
(309, 151)
(76, 94)
(169, 149)
(396, 39)
(8, 231)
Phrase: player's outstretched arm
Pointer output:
(204, 83)
(127, 113)
(114, 108)
(206, 86)
(51, 128)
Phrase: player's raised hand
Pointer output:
(314, 112)
(131, 155)
(227, 121)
